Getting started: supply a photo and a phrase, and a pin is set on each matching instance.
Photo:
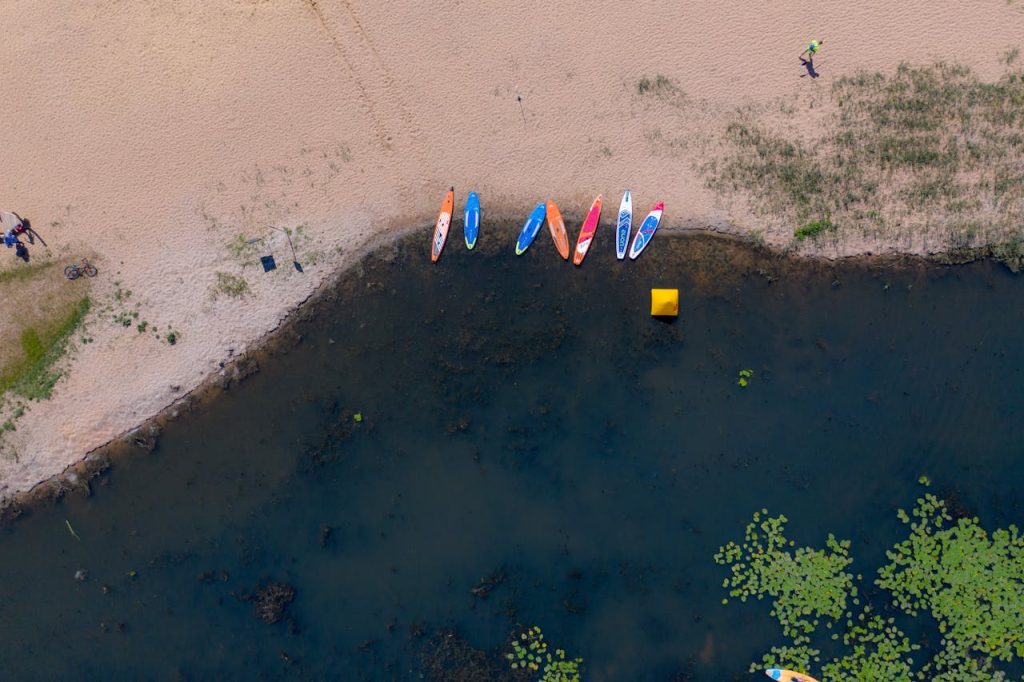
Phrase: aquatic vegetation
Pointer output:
(878, 652)
(806, 585)
(961, 578)
(531, 652)
(970, 582)
(744, 377)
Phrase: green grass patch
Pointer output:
(813, 229)
(36, 373)
(22, 273)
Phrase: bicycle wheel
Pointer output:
(90, 270)
(72, 272)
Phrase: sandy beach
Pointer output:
(164, 139)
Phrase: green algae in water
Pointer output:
(970, 582)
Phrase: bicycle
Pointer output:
(74, 271)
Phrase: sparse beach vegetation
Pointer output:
(232, 286)
(928, 153)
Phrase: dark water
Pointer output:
(526, 418)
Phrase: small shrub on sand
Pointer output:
(232, 286)
(659, 85)
(813, 229)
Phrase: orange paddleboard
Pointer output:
(557, 227)
(444, 221)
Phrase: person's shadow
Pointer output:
(809, 65)
(32, 234)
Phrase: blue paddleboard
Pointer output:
(646, 231)
(471, 221)
(531, 228)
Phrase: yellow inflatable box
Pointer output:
(664, 302)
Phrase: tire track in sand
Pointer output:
(378, 126)
(388, 98)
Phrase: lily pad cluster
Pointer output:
(806, 585)
(951, 573)
(531, 652)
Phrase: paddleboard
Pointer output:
(788, 675)
(646, 231)
(444, 221)
(471, 220)
(531, 228)
(587, 231)
(557, 227)
(624, 225)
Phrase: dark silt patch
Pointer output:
(434, 455)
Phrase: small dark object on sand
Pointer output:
(268, 263)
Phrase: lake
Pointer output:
(493, 442)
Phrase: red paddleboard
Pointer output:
(557, 227)
(444, 221)
(587, 232)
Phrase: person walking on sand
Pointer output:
(812, 49)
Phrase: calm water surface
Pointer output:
(526, 419)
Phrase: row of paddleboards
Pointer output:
(548, 212)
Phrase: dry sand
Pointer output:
(152, 132)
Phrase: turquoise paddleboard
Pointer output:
(471, 221)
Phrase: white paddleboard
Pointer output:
(623, 225)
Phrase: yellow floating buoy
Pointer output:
(664, 302)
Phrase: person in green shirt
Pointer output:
(812, 49)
